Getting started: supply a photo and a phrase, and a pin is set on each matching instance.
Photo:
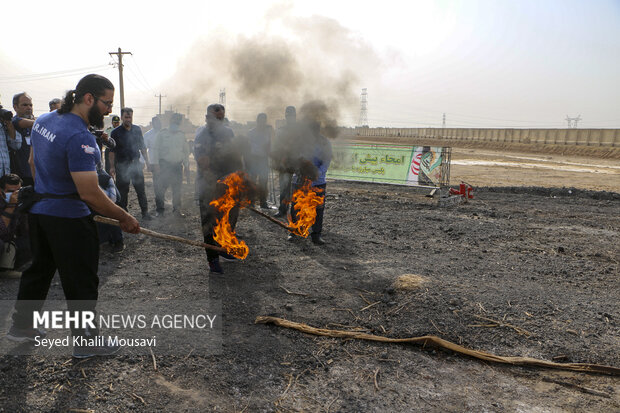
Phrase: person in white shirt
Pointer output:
(149, 142)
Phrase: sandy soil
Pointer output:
(539, 259)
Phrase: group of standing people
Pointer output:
(66, 168)
(217, 155)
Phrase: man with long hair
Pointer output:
(64, 237)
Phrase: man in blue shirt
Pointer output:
(23, 121)
(125, 161)
(317, 149)
(63, 234)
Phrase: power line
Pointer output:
(50, 75)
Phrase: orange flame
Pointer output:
(306, 200)
(222, 232)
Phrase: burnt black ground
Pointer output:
(541, 259)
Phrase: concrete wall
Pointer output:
(582, 137)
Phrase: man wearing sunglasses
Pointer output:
(63, 160)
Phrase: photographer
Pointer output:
(14, 240)
(23, 122)
(10, 139)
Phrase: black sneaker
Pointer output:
(84, 352)
(292, 237)
(264, 206)
(228, 257)
(21, 335)
(215, 267)
(280, 214)
(147, 217)
(316, 239)
(118, 247)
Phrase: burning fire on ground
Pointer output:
(306, 200)
(235, 195)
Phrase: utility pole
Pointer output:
(364, 108)
(443, 122)
(223, 97)
(120, 54)
(160, 96)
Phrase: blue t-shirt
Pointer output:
(62, 144)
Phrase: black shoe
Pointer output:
(292, 237)
(118, 246)
(215, 267)
(264, 206)
(107, 349)
(316, 239)
(25, 334)
(146, 216)
(159, 214)
(280, 214)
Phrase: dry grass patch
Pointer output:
(409, 282)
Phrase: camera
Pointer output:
(97, 132)
(5, 115)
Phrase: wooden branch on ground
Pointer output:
(439, 342)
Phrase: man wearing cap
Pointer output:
(116, 121)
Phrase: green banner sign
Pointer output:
(392, 164)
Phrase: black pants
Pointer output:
(285, 191)
(317, 228)
(170, 175)
(209, 215)
(258, 169)
(127, 173)
(69, 245)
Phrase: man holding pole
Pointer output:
(64, 159)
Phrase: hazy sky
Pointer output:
(483, 63)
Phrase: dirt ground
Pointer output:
(537, 252)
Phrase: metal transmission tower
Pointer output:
(364, 108)
(572, 122)
(120, 54)
(223, 97)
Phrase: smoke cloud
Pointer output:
(313, 63)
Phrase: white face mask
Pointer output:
(8, 196)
